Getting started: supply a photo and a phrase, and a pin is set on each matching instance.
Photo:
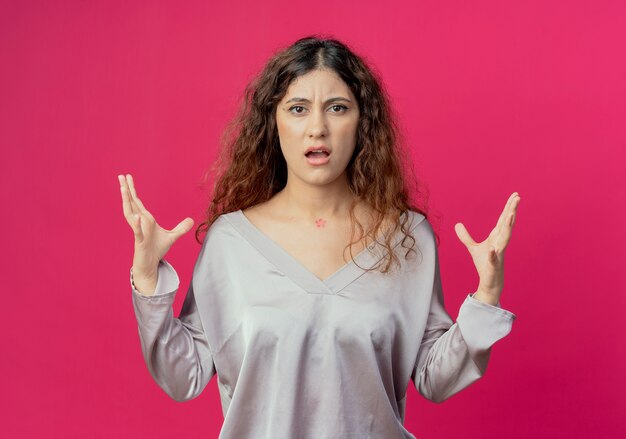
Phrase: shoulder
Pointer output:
(224, 221)
(414, 217)
(416, 221)
(222, 228)
(421, 229)
(221, 241)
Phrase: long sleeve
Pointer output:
(175, 350)
(453, 356)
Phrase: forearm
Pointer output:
(175, 350)
(452, 359)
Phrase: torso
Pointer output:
(317, 245)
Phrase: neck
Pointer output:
(304, 200)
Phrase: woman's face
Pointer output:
(318, 111)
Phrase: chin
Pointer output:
(321, 178)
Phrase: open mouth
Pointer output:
(317, 154)
(317, 158)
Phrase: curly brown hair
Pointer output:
(250, 168)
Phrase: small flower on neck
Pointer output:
(320, 222)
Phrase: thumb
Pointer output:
(183, 227)
(463, 234)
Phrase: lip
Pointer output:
(317, 148)
(317, 161)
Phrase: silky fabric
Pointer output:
(300, 357)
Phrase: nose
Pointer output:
(317, 124)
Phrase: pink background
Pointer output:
(494, 97)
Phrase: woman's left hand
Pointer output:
(488, 255)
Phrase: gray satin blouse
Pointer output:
(300, 357)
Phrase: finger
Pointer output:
(134, 220)
(127, 204)
(502, 219)
(510, 218)
(126, 207)
(183, 227)
(463, 235)
(503, 238)
(136, 226)
(133, 217)
(135, 198)
(514, 210)
(124, 183)
(131, 185)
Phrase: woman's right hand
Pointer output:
(152, 242)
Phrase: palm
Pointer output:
(488, 255)
(155, 239)
(152, 241)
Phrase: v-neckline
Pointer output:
(296, 270)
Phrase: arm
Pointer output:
(175, 350)
(453, 356)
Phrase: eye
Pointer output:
(296, 106)
(341, 108)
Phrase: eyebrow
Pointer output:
(335, 99)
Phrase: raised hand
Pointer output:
(488, 255)
(152, 242)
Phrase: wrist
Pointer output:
(490, 299)
(144, 274)
(144, 284)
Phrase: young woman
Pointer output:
(312, 329)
